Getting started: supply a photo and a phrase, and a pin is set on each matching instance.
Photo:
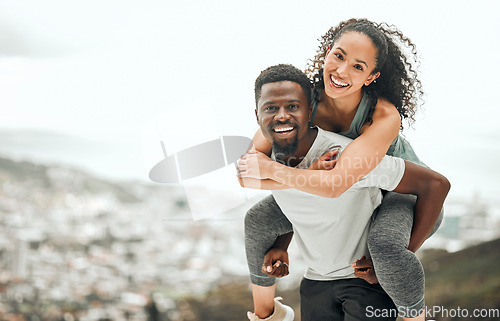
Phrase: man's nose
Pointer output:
(282, 114)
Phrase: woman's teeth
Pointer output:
(338, 82)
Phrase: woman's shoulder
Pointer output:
(385, 110)
(385, 115)
(386, 107)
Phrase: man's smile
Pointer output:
(283, 130)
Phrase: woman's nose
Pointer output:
(342, 69)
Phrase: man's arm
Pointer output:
(431, 189)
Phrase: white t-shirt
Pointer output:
(332, 232)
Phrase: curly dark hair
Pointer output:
(398, 81)
(283, 72)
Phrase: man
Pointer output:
(330, 232)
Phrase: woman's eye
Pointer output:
(339, 56)
(359, 67)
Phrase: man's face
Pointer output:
(283, 115)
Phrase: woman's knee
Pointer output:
(266, 217)
(261, 213)
(382, 244)
(251, 219)
(438, 223)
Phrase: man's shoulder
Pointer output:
(333, 138)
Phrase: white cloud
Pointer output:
(104, 69)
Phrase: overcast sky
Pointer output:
(133, 71)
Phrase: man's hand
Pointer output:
(253, 165)
(276, 263)
(363, 269)
(325, 162)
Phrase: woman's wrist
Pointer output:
(269, 169)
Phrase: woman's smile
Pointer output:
(336, 82)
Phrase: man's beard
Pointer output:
(282, 151)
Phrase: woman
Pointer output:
(364, 86)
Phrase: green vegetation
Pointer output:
(469, 279)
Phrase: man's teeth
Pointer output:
(338, 82)
(283, 129)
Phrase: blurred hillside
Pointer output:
(50, 182)
(469, 279)
(75, 247)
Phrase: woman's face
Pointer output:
(349, 65)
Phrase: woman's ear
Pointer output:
(372, 78)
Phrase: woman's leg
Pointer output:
(264, 222)
(398, 270)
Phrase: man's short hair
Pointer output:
(283, 72)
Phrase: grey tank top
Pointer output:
(400, 147)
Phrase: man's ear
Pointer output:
(256, 115)
(372, 78)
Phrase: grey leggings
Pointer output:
(398, 270)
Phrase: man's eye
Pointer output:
(270, 108)
(339, 56)
(293, 106)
